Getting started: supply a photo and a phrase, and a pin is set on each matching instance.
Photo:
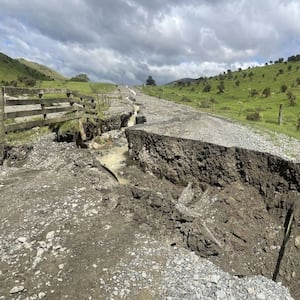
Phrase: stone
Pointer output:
(22, 239)
(17, 289)
(214, 278)
(230, 201)
(61, 266)
(261, 296)
(297, 241)
(41, 295)
(50, 235)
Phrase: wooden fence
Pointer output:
(49, 106)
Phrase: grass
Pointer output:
(10, 69)
(243, 95)
(42, 69)
(26, 136)
(85, 88)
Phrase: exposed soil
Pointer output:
(70, 230)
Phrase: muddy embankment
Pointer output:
(94, 127)
(240, 208)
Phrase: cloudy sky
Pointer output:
(124, 41)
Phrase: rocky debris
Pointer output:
(155, 270)
(17, 289)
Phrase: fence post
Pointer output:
(2, 129)
(280, 114)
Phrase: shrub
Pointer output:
(225, 108)
(221, 87)
(280, 72)
(254, 93)
(266, 92)
(289, 94)
(205, 104)
(298, 124)
(213, 100)
(283, 88)
(292, 100)
(186, 99)
(207, 88)
(254, 116)
(237, 83)
(289, 67)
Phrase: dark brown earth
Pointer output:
(64, 217)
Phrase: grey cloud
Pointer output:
(125, 40)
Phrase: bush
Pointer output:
(186, 99)
(225, 108)
(292, 100)
(254, 116)
(283, 88)
(298, 124)
(221, 87)
(207, 88)
(266, 92)
(205, 104)
(254, 93)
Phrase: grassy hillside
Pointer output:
(10, 69)
(42, 69)
(255, 93)
(85, 88)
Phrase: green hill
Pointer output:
(42, 69)
(11, 68)
(250, 96)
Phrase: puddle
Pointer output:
(115, 160)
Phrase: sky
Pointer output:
(124, 41)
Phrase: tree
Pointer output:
(150, 81)
(81, 78)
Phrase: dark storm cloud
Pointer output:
(125, 40)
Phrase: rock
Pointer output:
(297, 241)
(214, 278)
(230, 201)
(61, 266)
(17, 289)
(42, 295)
(50, 235)
(261, 296)
(22, 239)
